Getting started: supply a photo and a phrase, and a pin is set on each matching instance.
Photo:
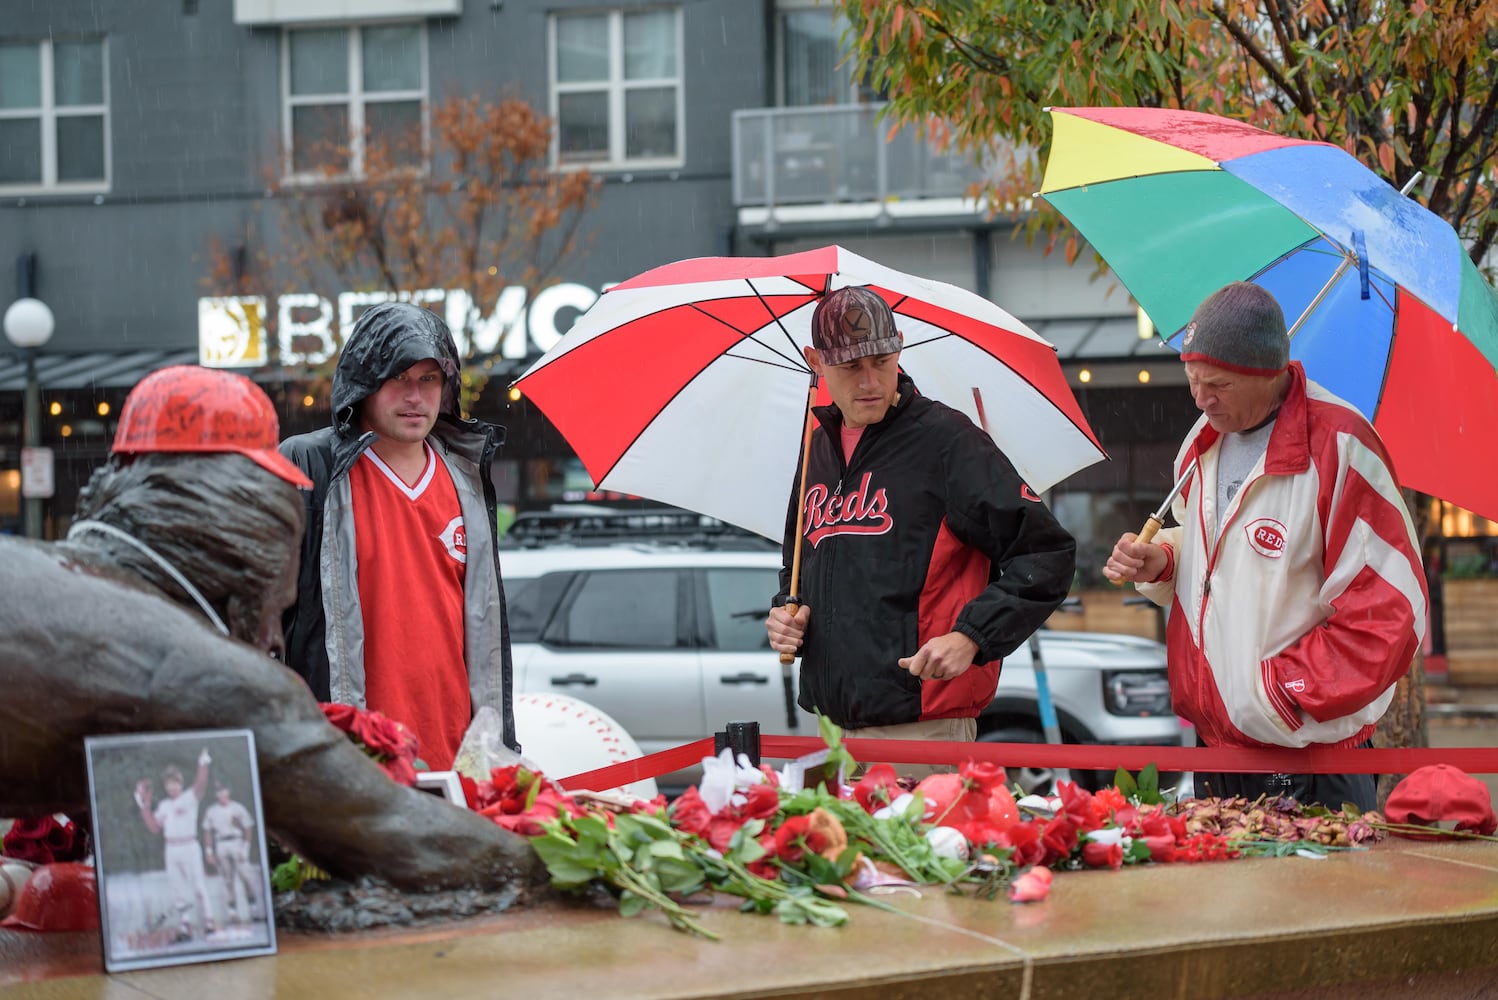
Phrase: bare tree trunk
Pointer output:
(1403, 725)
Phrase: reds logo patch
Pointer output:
(1298, 685)
(1267, 536)
(455, 539)
(1190, 334)
(863, 510)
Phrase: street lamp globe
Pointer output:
(28, 323)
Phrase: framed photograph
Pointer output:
(179, 846)
(444, 784)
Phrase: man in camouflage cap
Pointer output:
(925, 558)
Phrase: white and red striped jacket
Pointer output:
(1294, 627)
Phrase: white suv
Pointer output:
(667, 636)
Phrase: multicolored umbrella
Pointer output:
(687, 384)
(1386, 308)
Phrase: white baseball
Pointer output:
(13, 876)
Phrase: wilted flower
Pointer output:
(1032, 886)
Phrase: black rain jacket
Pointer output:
(927, 530)
(388, 339)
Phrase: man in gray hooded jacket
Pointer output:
(399, 604)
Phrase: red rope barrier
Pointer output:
(1086, 757)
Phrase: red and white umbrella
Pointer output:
(686, 384)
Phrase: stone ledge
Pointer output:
(1402, 909)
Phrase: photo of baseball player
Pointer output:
(227, 829)
(181, 863)
(175, 818)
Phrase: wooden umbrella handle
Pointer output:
(1151, 527)
(1146, 533)
(793, 602)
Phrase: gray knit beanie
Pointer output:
(1239, 327)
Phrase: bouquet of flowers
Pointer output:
(45, 840)
(802, 842)
(388, 742)
(801, 848)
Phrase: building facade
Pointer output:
(135, 139)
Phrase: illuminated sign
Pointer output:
(232, 329)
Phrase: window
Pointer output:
(624, 609)
(811, 67)
(530, 603)
(355, 98)
(738, 602)
(54, 115)
(616, 88)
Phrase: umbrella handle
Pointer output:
(791, 605)
(793, 602)
(1146, 533)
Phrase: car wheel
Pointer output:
(1031, 780)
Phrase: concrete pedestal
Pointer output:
(1414, 914)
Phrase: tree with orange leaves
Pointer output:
(1405, 87)
(472, 207)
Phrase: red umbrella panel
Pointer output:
(687, 384)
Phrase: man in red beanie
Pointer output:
(1294, 584)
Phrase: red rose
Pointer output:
(1058, 838)
(341, 716)
(652, 807)
(1080, 807)
(43, 841)
(760, 802)
(549, 805)
(1112, 801)
(1096, 855)
(690, 813)
(765, 867)
(985, 774)
(720, 831)
(1024, 839)
(1162, 847)
(384, 737)
(400, 770)
(1032, 886)
(470, 791)
(877, 788)
(790, 839)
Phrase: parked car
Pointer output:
(658, 620)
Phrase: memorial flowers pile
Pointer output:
(805, 841)
(800, 845)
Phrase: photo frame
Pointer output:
(179, 848)
(444, 784)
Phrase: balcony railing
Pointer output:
(839, 153)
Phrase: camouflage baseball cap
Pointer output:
(853, 322)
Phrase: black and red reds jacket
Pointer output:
(929, 529)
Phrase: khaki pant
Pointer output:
(947, 730)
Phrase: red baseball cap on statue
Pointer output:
(1444, 797)
(186, 408)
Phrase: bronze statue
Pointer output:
(158, 613)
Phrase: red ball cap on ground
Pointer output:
(1443, 796)
(58, 897)
(186, 408)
